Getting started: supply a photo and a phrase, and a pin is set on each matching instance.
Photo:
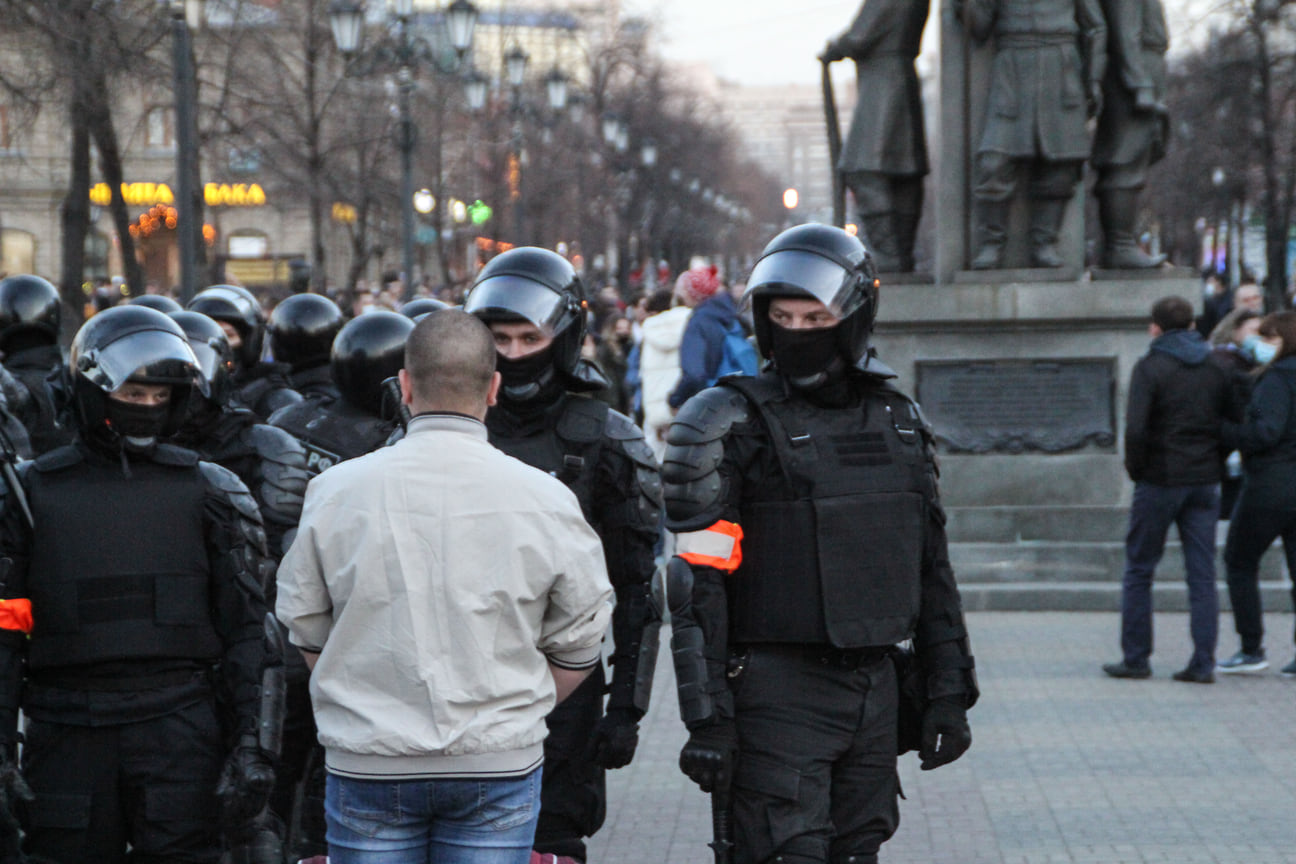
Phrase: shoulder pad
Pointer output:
(630, 439)
(583, 420)
(708, 416)
(587, 377)
(58, 459)
(232, 488)
(273, 443)
(870, 365)
(170, 454)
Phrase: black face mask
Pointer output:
(138, 425)
(524, 378)
(802, 354)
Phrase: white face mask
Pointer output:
(1261, 351)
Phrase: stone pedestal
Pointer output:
(1034, 529)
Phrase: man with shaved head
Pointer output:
(446, 596)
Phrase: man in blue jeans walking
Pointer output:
(1178, 400)
(445, 596)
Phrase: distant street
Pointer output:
(1066, 765)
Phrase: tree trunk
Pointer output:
(100, 127)
(75, 218)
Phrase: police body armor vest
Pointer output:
(840, 561)
(42, 424)
(333, 433)
(97, 593)
(568, 449)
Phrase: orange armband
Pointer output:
(719, 546)
(16, 615)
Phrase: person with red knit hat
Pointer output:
(702, 350)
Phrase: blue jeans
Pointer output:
(1194, 509)
(432, 821)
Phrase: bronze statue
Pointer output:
(884, 159)
(1044, 83)
(1133, 127)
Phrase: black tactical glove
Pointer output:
(615, 739)
(945, 732)
(15, 795)
(708, 756)
(245, 782)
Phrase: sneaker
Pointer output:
(1120, 670)
(1192, 676)
(1242, 662)
(1289, 670)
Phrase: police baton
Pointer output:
(8, 459)
(721, 825)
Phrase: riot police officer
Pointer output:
(302, 328)
(120, 623)
(30, 315)
(259, 386)
(273, 465)
(810, 542)
(533, 303)
(160, 302)
(368, 350)
(420, 306)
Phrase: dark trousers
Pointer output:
(573, 791)
(149, 784)
(1252, 530)
(816, 776)
(1194, 509)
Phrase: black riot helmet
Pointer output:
(213, 352)
(156, 301)
(29, 306)
(420, 306)
(367, 351)
(823, 263)
(302, 328)
(128, 343)
(237, 307)
(538, 286)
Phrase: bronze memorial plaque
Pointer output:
(1011, 406)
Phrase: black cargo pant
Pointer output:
(573, 791)
(150, 784)
(816, 776)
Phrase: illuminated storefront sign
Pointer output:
(214, 194)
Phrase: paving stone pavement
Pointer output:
(1066, 765)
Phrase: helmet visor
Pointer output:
(151, 356)
(517, 296)
(794, 273)
(210, 359)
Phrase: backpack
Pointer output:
(739, 356)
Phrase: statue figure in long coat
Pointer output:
(884, 159)
(1045, 81)
(1133, 127)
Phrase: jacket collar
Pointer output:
(441, 421)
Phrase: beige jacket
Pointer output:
(439, 577)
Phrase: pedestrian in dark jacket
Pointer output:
(1233, 344)
(1266, 506)
(702, 347)
(1178, 400)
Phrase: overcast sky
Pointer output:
(776, 41)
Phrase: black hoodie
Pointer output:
(1177, 404)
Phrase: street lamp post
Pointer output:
(406, 53)
(515, 66)
(187, 229)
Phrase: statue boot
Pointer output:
(880, 239)
(906, 231)
(1117, 211)
(991, 220)
(1046, 224)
